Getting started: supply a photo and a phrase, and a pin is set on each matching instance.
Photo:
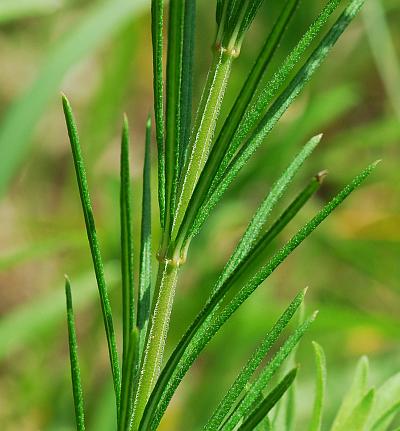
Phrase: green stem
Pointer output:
(203, 129)
(156, 337)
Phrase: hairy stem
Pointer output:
(156, 338)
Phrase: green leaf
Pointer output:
(173, 106)
(20, 120)
(239, 108)
(269, 402)
(94, 246)
(320, 388)
(387, 403)
(252, 364)
(354, 395)
(128, 381)
(128, 293)
(203, 328)
(157, 25)
(144, 304)
(231, 167)
(256, 389)
(74, 360)
(358, 417)
(12, 10)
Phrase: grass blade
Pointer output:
(231, 168)
(245, 407)
(200, 333)
(94, 246)
(73, 355)
(19, 123)
(241, 103)
(251, 366)
(128, 382)
(320, 388)
(11, 10)
(187, 77)
(128, 294)
(354, 395)
(173, 107)
(144, 294)
(269, 402)
(157, 25)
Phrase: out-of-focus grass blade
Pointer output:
(256, 389)
(157, 25)
(12, 10)
(94, 246)
(128, 381)
(73, 355)
(251, 366)
(354, 395)
(358, 417)
(144, 293)
(200, 333)
(25, 325)
(320, 388)
(387, 404)
(128, 294)
(20, 120)
(268, 403)
(383, 50)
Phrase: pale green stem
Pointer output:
(151, 366)
(203, 129)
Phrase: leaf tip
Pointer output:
(320, 177)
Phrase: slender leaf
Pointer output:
(266, 374)
(358, 417)
(157, 25)
(145, 248)
(12, 10)
(74, 360)
(226, 176)
(128, 382)
(195, 339)
(94, 246)
(251, 366)
(354, 395)
(128, 293)
(104, 20)
(269, 402)
(320, 388)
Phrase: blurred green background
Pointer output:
(99, 54)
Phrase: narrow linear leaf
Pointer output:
(239, 108)
(244, 409)
(320, 388)
(94, 246)
(199, 334)
(354, 395)
(128, 294)
(157, 25)
(11, 10)
(251, 366)
(128, 381)
(144, 305)
(173, 105)
(269, 402)
(226, 176)
(187, 77)
(73, 356)
(359, 416)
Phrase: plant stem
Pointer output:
(156, 337)
(204, 128)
